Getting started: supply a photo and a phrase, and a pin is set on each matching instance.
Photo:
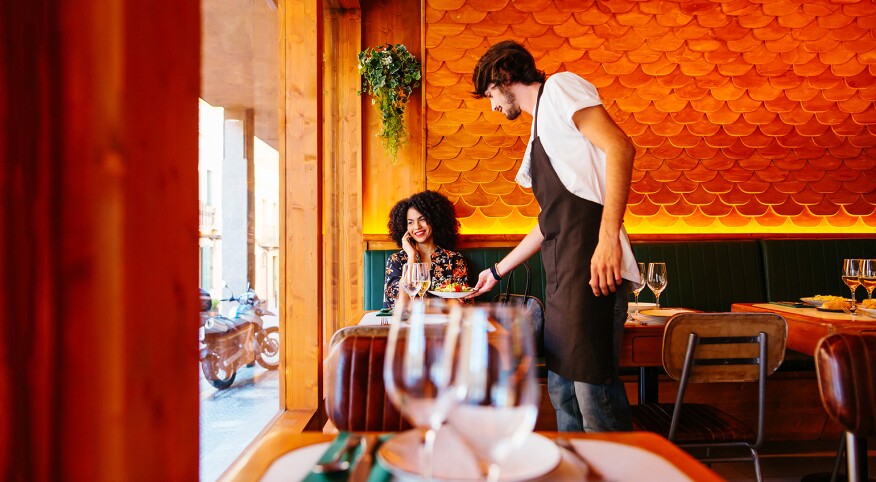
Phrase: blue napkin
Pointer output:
(384, 312)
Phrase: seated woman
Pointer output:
(425, 227)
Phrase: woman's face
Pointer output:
(420, 230)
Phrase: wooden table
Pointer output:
(280, 443)
(806, 326)
(642, 347)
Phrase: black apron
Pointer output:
(578, 325)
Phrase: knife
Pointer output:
(362, 468)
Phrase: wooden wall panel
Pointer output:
(391, 21)
(301, 248)
(748, 117)
(99, 255)
(343, 173)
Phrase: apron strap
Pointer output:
(537, 106)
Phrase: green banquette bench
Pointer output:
(703, 275)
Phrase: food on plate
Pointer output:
(869, 303)
(829, 298)
(453, 287)
(834, 305)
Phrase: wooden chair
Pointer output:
(846, 369)
(710, 348)
(355, 394)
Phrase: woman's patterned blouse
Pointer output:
(447, 267)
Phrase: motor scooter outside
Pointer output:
(229, 343)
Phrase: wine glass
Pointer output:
(409, 282)
(499, 392)
(657, 280)
(868, 276)
(638, 290)
(417, 373)
(423, 276)
(852, 278)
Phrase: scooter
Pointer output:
(240, 339)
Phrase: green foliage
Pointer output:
(389, 73)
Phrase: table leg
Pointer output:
(648, 384)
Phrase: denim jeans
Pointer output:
(594, 407)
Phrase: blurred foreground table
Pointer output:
(289, 456)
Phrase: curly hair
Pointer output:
(505, 63)
(438, 211)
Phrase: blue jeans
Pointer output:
(594, 407)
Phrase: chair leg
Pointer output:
(838, 463)
(856, 456)
(757, 472)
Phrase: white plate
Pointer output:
(451, 294)
(642, 306)
(869, 311)
(625, 463)
(813, 302)
(454, 461)
(658, 317)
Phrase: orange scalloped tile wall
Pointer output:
(748, 117)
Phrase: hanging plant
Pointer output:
(389, 73)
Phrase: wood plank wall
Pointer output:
(98, 255)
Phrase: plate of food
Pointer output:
(452, 290)
(658, 316)
(819, 300)
(871, 312)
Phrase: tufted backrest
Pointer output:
(356, 397)
(846, 368)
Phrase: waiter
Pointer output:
(578, 164)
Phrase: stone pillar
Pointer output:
(238, 210)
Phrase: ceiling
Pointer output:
(240, 60)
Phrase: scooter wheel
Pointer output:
(268, 348)
(214, 373)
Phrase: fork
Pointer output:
(590, 472)
(341, 460)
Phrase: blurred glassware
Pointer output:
(868, 276)
(498, 388)
(852, 278)
(657, 280)
(418, 371)
(638, 290)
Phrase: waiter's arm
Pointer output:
(596, 124)
(530, 245)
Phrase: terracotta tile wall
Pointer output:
(748, 117)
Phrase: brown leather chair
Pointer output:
(355, 397)
(710, 348)
(846, 368)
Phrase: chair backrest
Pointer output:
(846, 368)
(355, 396)
(726, 347)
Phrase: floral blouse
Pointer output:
(447, 267)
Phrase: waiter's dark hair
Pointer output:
(438, 211)
(505, 63)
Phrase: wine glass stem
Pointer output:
(426, 455)
(657, 296)
(636, 297)
(853, 298)
(493, 473)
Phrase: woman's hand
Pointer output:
(408, 244)
(485, 283)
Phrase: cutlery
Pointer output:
(362, 468)
(590, 472)
(341, 461)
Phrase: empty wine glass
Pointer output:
(868, 276)
(499, 392)
(852, 278)
(657, 280)
(637, 290)
(417, 373)
(409, 281)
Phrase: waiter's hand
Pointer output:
(605, 267)
(485, 283)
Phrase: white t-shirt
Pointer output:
(579, 164)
